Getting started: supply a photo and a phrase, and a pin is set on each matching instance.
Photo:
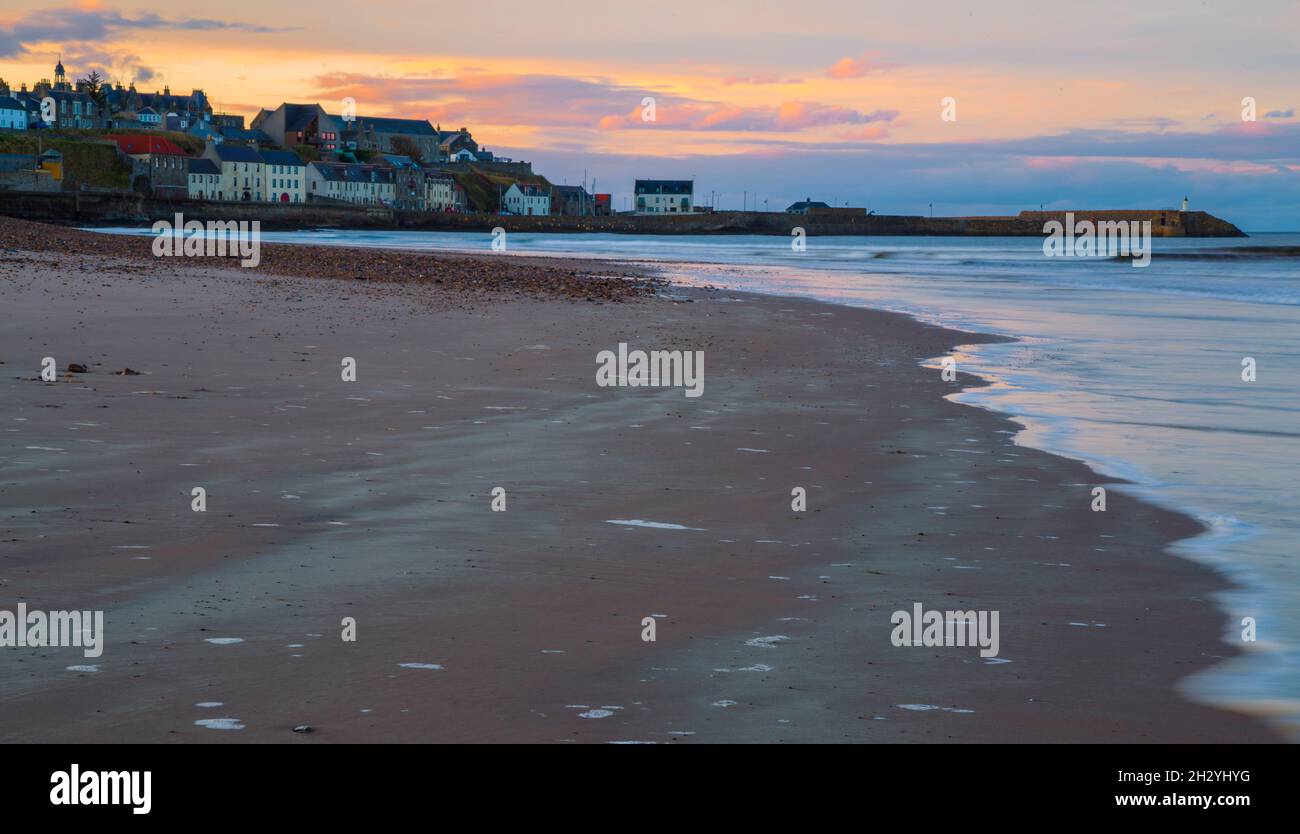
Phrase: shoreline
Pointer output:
(837, 656)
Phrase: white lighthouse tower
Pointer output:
(1184, 208)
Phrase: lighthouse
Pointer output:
(1184, 208)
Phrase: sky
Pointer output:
(1065, 105)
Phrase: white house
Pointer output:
(665, 196)
(285, 177)
(351, 182)
(13, 114)
(526, 198)
(243, 172)
(204, 179)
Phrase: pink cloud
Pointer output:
(868, 133)
(864, 64)
(789, 116)
(561, 101)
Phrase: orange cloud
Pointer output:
(864, 64)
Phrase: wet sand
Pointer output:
(372, 500)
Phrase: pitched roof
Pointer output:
(243, 135)
(203, 166)
(665, 186)
(353, 172)
(413, 127)
(236, 153)
(299, 116)
(11, 103)
(804, 205)
(282, 158)
(398, 160)
(328, 170)
(528, 189)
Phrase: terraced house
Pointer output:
(350, 182)
(243, 172)
(286, 180)
(204, 179)
(409, 191)
(443, 193)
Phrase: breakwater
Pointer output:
(126, 208)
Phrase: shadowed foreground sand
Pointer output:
(371, 500)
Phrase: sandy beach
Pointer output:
(373, 500)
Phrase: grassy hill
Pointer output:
(92, 163)
(482, 188)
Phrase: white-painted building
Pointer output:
(204, 179)
(351, 183)
(285, 177)
(526, 198)
(665, 196)
(243, 174)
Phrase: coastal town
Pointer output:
(120, 154)
(175, 146)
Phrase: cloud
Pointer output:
(493, 98)
(1157, 122)
(561, 101)
(1279, 114)
(786, 117)
(764, 78)
(10, 46)
(92, 25)
(864, 64)
(123, 67)
(866, 134)
(902, 178)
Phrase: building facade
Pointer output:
(526, 198)
(443, 193)
(301, 124)
(158, 166)
(350, 182)
(572, 200)
(285, 177)
(243, 172)
(204, 179)
(665, 196)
